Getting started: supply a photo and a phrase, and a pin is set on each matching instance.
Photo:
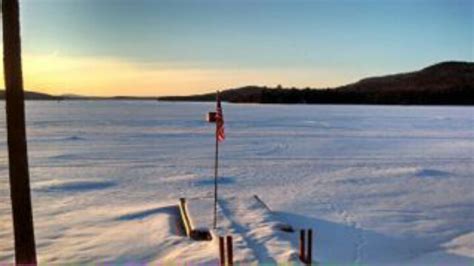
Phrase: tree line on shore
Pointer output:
(448, 83)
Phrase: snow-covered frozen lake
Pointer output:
(380, 185)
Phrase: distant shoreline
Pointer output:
(242, 103)
(158, 99)
(446, 83)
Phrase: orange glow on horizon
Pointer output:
(55, 74)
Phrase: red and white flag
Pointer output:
(220, 134)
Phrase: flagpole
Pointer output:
(216, 165)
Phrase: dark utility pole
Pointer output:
(25, 251)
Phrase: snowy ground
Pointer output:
(380, 185)
(256, 230)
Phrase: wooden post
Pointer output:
(221, 251)
(302, 246)
(184, 216)
(230, 253)
(25, 250)
(309, 258)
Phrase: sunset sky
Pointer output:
(179, 47)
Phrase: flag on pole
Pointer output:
(220, 134)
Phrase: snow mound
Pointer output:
(462, 245)
(200, 212)
(258, 235)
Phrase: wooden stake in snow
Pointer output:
(306, 255)
(221, 251)
(309, 257)
(230, 251)
(223, 259)
(184, 217)
(302, 246)
(25, 251)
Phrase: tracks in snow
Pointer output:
(359, 236)
(358, 233)
(240, 220)
(253, 228)
(360, 239)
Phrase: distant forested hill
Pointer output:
(450, 83)
(29, 95)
